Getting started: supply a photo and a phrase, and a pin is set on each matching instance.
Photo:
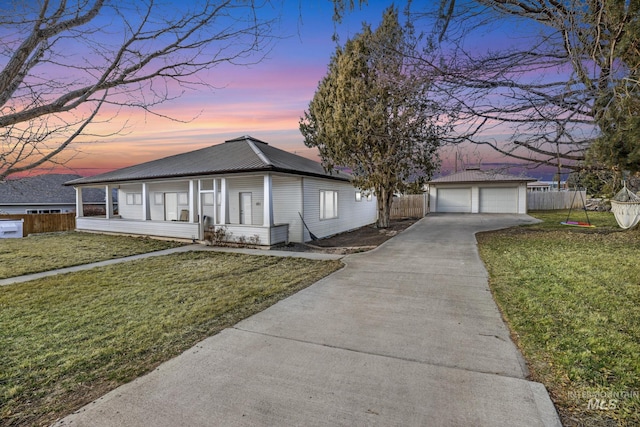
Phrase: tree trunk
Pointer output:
(384, 200)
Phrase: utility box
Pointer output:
(11, 228)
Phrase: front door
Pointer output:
(245, 208)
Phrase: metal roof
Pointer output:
(45, 189)
(477, 175)
(244, 154)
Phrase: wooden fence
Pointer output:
(555, 200)
(410, 206)
(44, 223)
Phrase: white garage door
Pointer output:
(454, 200)
(499, 200)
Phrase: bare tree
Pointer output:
(63, 63)
(552, 93)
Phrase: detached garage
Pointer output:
(477, 191)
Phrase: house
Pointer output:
(477, 191)
(546, 186)
(45, 194)
(246, 187)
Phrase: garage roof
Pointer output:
(477, 175)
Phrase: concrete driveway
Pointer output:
(407, 334)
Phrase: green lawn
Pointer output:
(571, 297)
(44, 252)
(66, 340)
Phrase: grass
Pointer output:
(66, 340)
(570, 296)
(44, 252)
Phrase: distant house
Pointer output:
(244, 186)
(545, 186)
(44, 194)
(477, 191)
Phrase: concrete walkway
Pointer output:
(407, 334)
(195, 247)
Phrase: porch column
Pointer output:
(108, 202)
(215, 201)
(200, 210)
(268, 201)
(146, 212)
(192, 201)
(224, 202)
(79, 203)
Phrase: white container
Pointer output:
(11, 228)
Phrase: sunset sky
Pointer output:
(265, 100)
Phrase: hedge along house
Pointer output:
(253, 190)
(477, 191)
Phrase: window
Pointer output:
(43, 211)
(358, 196)
(328, 204)
(134, 198)
(208, 199)
(158, 198)
(183, 199)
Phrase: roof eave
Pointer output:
(216, 173)
(478, 181)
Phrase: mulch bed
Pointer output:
(358, 240)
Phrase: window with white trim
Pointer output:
(328, 204)
(134, 198)
(358, 196)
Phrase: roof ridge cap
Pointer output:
(259, 152)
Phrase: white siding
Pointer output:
(351, 214)
(287, 202)
(522, 198)
(157, 210)
(266, 235)
(175, 229)
(248, 184)
(279, 234)
(127, 211)
(291, 195)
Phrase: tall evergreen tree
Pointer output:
(372, 114)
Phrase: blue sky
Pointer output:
(264, 100)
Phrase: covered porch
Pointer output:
(190, 208)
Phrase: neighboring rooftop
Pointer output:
(45, 189)
(477, 175)
(244, 154)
